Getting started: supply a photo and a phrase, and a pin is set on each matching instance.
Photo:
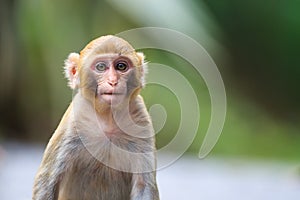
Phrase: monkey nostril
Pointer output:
(112, 83)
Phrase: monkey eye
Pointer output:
(100, 66)
(121, 66)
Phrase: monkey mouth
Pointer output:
(111, 93)
(112, 98)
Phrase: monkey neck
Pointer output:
(107, 114)
(112, 122)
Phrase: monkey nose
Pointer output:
(113, 83)
(112, 78)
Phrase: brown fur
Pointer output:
(99, 152)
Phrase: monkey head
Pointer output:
(107, 71)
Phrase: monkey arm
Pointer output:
(47, 178)
(51, 169)
(142, 189)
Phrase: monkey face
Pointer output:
(115, 78)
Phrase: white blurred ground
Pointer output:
(188, 178)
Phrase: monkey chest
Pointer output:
(95, 182)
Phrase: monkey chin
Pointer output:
(114, 100)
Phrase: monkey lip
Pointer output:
(111, 93)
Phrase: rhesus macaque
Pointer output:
(104, 146)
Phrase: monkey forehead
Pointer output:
(108, 44)
(110, 57)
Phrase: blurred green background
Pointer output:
(255, 45)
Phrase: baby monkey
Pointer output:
(104, 146)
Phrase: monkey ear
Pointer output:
(71, 70)
(144, 67)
